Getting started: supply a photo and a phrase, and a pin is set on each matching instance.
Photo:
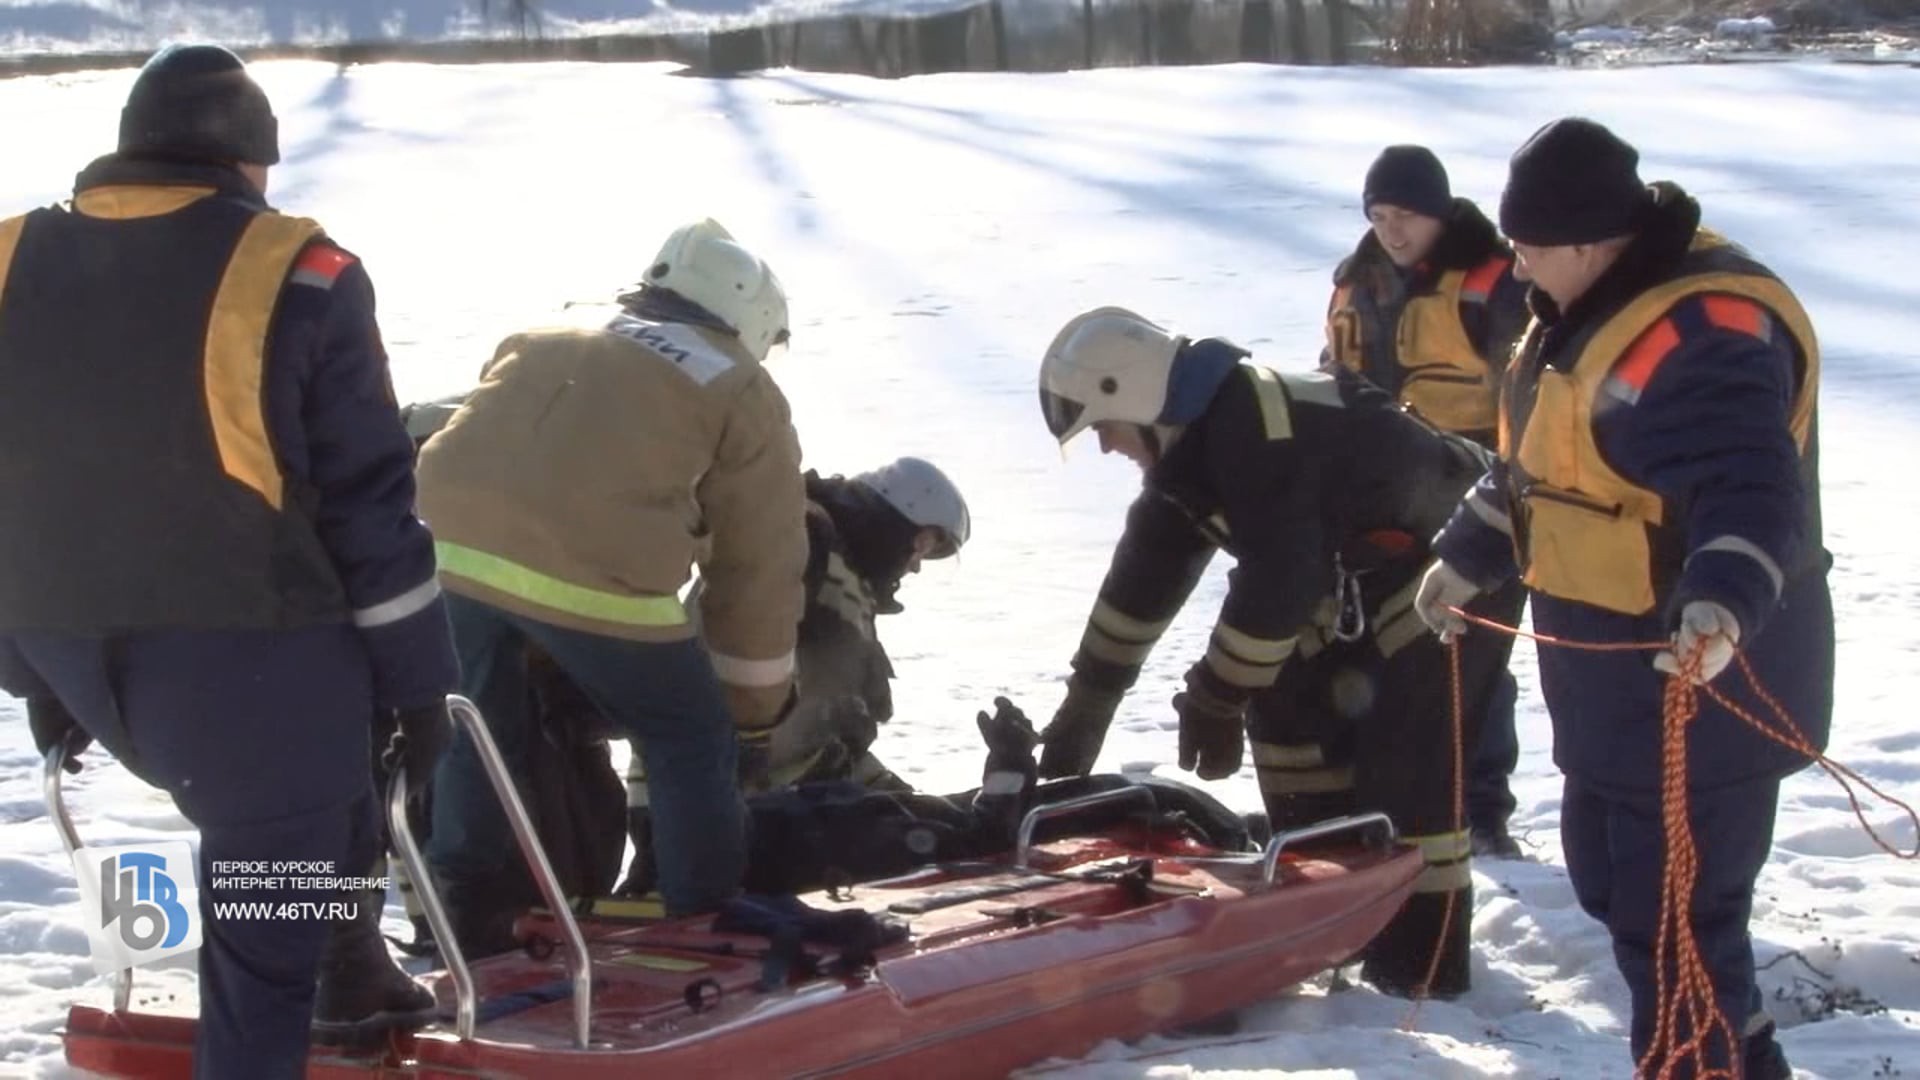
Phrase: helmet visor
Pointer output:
(1061, 412)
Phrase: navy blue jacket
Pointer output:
(1709, 433)
(335, 432)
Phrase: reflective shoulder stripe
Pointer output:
(1314, 388)
(1644, 357)
(1479, 281)
(532, 585)
(741, 671)
(1736, 313)
(236, 349)
(1275, 416)
(1740, 545)
(416, 599)
(320, 265)
(9, 240)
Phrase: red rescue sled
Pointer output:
(1123, 931)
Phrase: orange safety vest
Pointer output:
(1443, 377)
(1581, 530)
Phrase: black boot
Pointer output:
(362, 994)
(1397, 961)
(1762, 1058)
(1494, 842)
(482, 912)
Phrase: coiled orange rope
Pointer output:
(1685, 999)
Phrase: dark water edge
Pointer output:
(981, 37)
(992, 35)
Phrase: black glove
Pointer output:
(1212, 729)
(52, 726)
(419, 737)
(1072, 742)
(1010, 740)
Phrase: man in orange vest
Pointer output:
(1427, 308)
(226, 585)
(1657, 479)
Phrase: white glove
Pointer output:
(1444, 588)
(1703, 625)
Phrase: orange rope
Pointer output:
(1685, 999)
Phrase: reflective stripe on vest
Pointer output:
(1444, 377)
(550, 592)
(1585, 532)
(9, 241)
(243, 312)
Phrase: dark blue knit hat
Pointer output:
(197, 102)
(1573, 182)
(1409, 177)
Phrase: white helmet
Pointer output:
(702, 263)
(924, 496)
(1106, 364)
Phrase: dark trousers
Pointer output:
(1492, 759)
(1368, 725)
(663, 695)
(1615, 846)
(262, 740)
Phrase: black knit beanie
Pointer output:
(1411, 178)
(1573, 182)
(196, 102)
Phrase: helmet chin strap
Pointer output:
(1161, 437)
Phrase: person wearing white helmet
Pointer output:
(1326, 493)
(571, 495)
(865, 534)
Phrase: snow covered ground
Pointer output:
(934, 233)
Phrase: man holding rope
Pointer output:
(1656, 482)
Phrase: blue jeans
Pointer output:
(663, 695)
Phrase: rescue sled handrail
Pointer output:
(579, 963)
(56, 764)
(1319, 830)
(1023, 848)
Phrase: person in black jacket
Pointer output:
(1325, 492)
(224, 583)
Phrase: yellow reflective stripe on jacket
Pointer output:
(236, 348)
(1587, 528)
(1275, 416)
(550, 592)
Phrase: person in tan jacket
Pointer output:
(571, 496)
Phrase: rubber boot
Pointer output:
(363, 996)
(1495, 842)
(482, 912)
(1762, 1058)
(1397, 961)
